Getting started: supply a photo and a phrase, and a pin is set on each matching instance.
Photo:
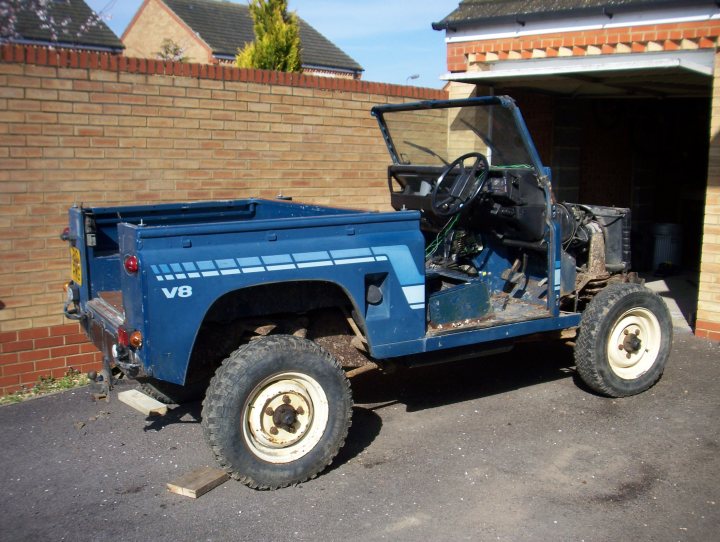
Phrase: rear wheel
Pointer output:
(624, 340)
(277, 411)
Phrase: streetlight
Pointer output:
(412, 77)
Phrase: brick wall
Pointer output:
(465, 55)
(102, 130)
(708, 316)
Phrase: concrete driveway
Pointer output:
(502, 448)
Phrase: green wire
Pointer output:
(432, 247)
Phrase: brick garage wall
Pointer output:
(708, 316)
(101, 130)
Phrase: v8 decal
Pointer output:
(179, 291)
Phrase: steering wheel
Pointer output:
(451, 195)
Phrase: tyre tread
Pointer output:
(233, 369)
(591, 324)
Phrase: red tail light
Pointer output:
(131, 264)
(122, 335)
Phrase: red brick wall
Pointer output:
(31, 353)
(102, 130)
(638, 39)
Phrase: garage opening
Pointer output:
(630, 132)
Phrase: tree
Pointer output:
(48, 15)
(277, 38)
(169, 50)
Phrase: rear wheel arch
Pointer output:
(222, 328)
(277, 411)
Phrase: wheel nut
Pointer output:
(625, 331)
(269, 411)
(286, 399)
(273, 430)
(621, 347)
(299, 410)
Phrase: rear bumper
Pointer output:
(101, 321)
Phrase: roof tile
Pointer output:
(227, 27)
(77, 13)
(475, 11)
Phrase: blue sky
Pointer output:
(391, 39)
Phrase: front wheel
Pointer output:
(277, 411)
(624, 340)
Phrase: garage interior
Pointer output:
(629, 133)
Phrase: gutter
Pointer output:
(69, 45)
(351, 71)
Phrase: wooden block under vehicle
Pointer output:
(198, 482)
(141, 402)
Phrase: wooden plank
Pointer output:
(198, 482)
(141, 402)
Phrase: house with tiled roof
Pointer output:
(620, 96)
(76, 27)
(212, 31)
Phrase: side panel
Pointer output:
(182, 276)
(94, 230)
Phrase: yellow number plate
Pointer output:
(76, 268)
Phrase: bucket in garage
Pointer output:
(668, 246)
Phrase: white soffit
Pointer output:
(700, 62)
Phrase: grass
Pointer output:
(47, 385)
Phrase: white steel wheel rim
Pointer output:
(630, 357)
(310, 409)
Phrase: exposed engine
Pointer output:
(581, 226)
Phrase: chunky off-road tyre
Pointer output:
(624, 340)
(173, 394)
(277, 411)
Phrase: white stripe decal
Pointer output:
(314, 264)
(354, 260)
(414, 294)
(282, 267)
(399, 256)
